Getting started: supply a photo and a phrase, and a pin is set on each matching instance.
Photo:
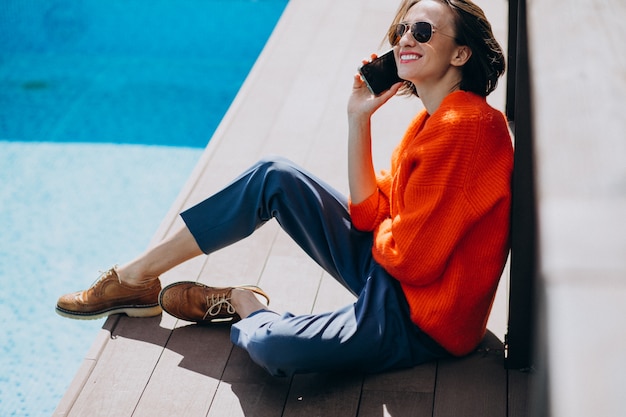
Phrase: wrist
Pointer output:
(359, 122)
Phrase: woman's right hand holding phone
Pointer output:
(361, 106)
(362, 103)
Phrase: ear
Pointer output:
(461, 56)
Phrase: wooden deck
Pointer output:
(293, 104)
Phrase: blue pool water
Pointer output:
(105, 108)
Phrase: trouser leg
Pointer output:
(311, 212)
(374, 334)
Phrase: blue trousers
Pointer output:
(372, 335)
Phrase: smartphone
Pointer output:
(380, 74)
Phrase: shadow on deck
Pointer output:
(228, 383)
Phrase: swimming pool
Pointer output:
(105, 107)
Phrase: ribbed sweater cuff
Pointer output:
(364, 214)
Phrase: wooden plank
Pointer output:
(290, 277)
(407, 392)
(243, 262)
(475, 385)
(518, 393)
(331, 295)
(396, 403)
(324, 395)
(82, 376)
(417, 379)
(248, 390)
(188, 372)
(123, 369)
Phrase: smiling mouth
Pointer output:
(409, 57)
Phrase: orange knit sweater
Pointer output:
(441, 217)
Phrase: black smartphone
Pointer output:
(380, 74)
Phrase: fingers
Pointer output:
(394, 89)
(367, 61)
(385, 96)
(358, 81)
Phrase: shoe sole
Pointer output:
(130, 311)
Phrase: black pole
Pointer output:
(511, 60)
(520, 335)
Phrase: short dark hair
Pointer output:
(481, 72)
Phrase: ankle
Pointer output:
(130, 277)
(245, 302)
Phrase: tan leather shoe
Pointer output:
(109, 295)
(196, 302)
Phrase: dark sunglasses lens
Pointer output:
(422, 31)
(400, 30)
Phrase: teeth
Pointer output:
(410, 56)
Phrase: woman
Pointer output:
(422, 246)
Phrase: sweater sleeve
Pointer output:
(368, 214)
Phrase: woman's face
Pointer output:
(430, 63)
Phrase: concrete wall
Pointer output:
(578, 70)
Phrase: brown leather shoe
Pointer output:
(196, 302)
(109, 295)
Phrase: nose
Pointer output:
(407, 39)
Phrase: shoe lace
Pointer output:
(215, 303)
(104, 275)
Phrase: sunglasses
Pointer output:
(421, 31)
